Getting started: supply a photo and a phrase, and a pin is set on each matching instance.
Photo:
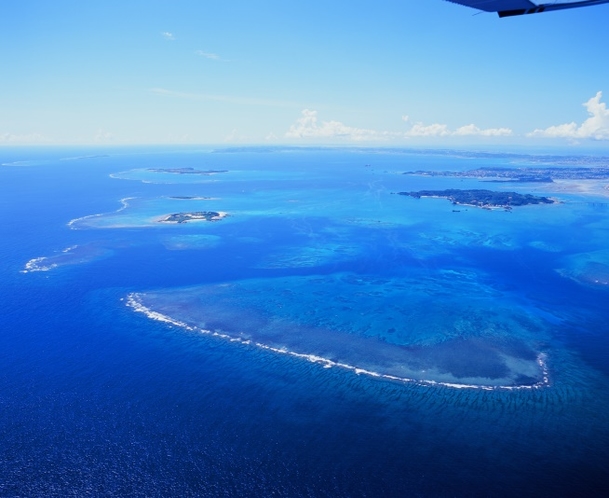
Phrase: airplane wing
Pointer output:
(506, 8)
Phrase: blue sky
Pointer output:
(394, 73)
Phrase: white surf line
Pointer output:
(132, 302)
(34, 265)
(115, 175)
(154, 315)
(125, 205)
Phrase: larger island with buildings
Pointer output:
(529, 174)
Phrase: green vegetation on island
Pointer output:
(194, 216)
(482, 198)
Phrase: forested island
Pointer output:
(187, 171)
(482, 198)
(194, 216)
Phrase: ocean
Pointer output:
(315, 334)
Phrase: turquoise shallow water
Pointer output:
(327, 338)
(407, 329)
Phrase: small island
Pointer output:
(188, 171)
(194, 216)
(189, 198)
(482, 198)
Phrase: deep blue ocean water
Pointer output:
(317, 257)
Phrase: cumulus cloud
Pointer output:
(432, 130)
(208, 55)
(167, 35)
(236, 137)
(473, 130)
(442, 130)
(596, 127)
(308, 126)
(32, 138)
(103, 136)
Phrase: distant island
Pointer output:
(188, 171)
(482, 198)
(524, 175)
(194, 216)
(189, 198)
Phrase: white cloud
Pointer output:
(208, 55)
(473, 130)
(442, 130)
(595, 127)
(32, 138)
(405, 118)
(232, 136)
(178, 138)
(236, 137)
(308, 126)
(103, 136)
(167, 35)
(432, 130)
